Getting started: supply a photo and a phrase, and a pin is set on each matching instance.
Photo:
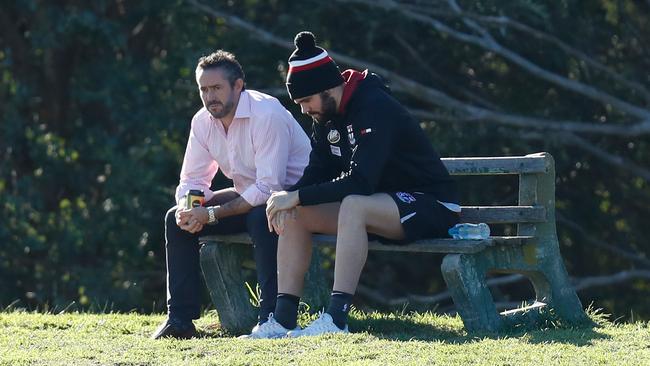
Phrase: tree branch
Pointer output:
(464, 92)
(469, 22)
(437, 97)
(432, 299)
(238, 22)
(568, 138)
(637, 257)
(492, 45)
(613, 279)
(612, 159)
(502, 21)
(481, 115)
(579, 284)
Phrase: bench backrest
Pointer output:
(535, 211)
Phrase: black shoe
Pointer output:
(175, 328)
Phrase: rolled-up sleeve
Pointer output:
(199, 167)
(271, 139)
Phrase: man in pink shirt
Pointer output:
(255, 142)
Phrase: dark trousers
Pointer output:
(183, 268)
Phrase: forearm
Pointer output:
(234, 207)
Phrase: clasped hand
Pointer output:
(193, 219)
(280, 207)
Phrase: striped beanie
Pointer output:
(311, 69)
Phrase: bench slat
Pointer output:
(451, 245)
(496, 165)
(425, 245)
(503, 214)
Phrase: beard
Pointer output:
(328, 108)
(225, 108)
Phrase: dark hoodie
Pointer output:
(372, 145)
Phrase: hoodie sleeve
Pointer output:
(374, 140)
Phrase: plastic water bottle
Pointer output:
(470, 231)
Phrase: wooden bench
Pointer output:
(532, 252)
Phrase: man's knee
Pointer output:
(170, 217)
(172, 230)
(352, 208)
(258, 228)
(256, 218)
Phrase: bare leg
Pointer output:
(358, 215)
(294, 245)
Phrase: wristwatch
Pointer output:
(212, 217)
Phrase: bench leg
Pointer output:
(317, 289)
(552, 287)
(221, 265)
(465, 280)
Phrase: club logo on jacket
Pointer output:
(333, 136)
(351, 135)
(335, 150)
(405, 197)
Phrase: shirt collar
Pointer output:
(243, 107)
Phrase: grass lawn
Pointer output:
(379, 339)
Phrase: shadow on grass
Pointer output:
(577, 336)
(214, 331)
(405, 329)
(538, 326)
(535, 328)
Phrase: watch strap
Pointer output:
(212, 217)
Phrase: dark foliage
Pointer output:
(96, 99)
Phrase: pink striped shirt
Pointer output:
(264, 150)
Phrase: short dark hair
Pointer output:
(225, 61)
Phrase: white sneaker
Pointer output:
(323, 325)
(270, 329)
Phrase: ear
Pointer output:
(239, 85)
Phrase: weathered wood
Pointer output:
(221, 265)
(465, 278)
(551, 281)
(221, 259)
(420, 246)
(539, 260)
(496, 165)
(503, 214)
(527, 189)
(533, 252)
(451, 245)
(317, 289)
(527, 196)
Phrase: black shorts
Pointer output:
(423, 216)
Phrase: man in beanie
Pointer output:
(256, 142)
(372, 170)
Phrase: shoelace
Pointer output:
(269, 328)
(319, 325)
